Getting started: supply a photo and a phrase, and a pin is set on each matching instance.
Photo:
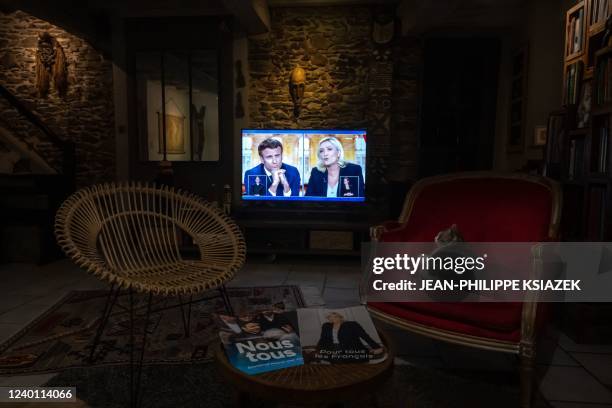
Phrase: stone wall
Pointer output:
(332, 47)
(342, 63)
(84, 115)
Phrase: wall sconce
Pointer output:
(297, 83)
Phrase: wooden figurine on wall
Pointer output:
(50, 65)
(297, 84)
(197, 118)
(383, 28)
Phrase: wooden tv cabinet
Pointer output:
(290, 236)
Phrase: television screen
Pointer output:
(303, 165)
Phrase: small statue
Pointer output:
(197, 118)
(227, 199)
(383, 28)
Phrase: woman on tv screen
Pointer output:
(333, 176)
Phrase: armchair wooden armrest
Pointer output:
(377, 231)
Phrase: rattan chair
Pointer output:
(133, 236)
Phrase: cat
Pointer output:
(445, 249)
(448, 236)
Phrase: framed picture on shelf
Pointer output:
(575, 31)
(599, 12)
(539, 136)
(583, 114)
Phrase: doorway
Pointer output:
(458, 105)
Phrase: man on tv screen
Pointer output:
(281, 179)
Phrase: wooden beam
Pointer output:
(253, 15)
(329, 3)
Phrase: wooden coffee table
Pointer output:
(310, 383)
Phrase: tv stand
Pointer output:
(294, 236)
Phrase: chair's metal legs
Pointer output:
(113, 293)
(226, 300)
(189, 314)
(142, 349)
(132, 399)
(135, 377)
(187, 319)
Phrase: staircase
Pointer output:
(28, 203)
(31, 187)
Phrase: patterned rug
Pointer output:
(62, 336)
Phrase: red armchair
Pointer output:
(487, 207)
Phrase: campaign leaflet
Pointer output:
(347, 335)
(262, 341)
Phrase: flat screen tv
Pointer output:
(304, 165)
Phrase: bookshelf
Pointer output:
(575, 32)
(579, 150)
(579, 145)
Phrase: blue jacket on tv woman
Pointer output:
(317, 184)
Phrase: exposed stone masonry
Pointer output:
(85, 115)
(334, 46)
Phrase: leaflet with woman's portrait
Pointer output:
(272, 338)
(347, 335)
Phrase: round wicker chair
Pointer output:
(133, 236)
(128, 234)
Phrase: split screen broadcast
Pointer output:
(303, 165)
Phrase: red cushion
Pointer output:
(485, 210)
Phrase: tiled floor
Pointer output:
(573, 375)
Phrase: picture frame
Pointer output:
(175, 133)
(539, 136)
